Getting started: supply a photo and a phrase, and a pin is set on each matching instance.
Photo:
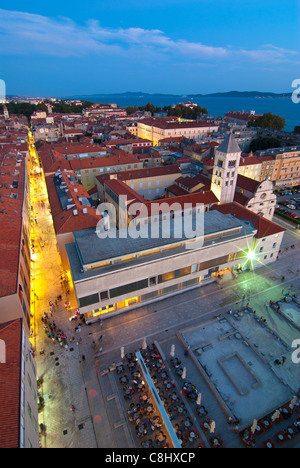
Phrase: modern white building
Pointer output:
(113, 275)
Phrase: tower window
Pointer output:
(232, 163)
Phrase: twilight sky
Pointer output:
(61, 48)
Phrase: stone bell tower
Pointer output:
(5, 112)
(225, 171)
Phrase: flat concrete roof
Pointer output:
(92, 249)
(89, 249)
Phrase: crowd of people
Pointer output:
(249, 436)
(57, 335)
(143, 414)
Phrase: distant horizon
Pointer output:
(142, 93)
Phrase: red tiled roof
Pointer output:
(176, 190)
(10, 371)
(242, 116)
(247, 184)
(264, 226)
(206, 198)
(10, 221)
(120, 188)
(249, 161)
(148, 172)
(115, 159)
(64, 220)
(240, 198)
(168, 123)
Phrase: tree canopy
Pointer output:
(185, 112)
(269, 120)
(27, 108)
(297, 129)
(263, 143)
(180, 110)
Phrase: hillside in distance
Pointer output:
(229, 94)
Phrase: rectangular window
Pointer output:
(128, 288)
(214, 262)
(104, 295)
(88, 300)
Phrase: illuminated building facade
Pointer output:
(113, 275)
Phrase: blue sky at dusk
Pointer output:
(168, 46)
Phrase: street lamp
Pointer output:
(251, 257)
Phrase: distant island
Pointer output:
(141, 95)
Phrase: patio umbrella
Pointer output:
(293, 402)
(212, 427)
(183, 376)
(172, 353)
(199, 397)
(275, 415)
(254, 426)
(122, 352)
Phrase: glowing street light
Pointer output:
(251, 255)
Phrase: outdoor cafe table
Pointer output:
(290, 432)
(146, 444)
(202, 410)
(280, 437)
(268, 444)
(206, 426)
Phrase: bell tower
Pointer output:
(225, 171)
(5, 112)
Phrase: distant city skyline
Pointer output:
(175, 47)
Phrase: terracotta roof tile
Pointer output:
(264, 226)
(10, 371)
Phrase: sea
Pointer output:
(216, 106)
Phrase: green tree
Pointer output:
(131, 109)
(180, 110)
(263, 143)
(297, 129)
(269, 120)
